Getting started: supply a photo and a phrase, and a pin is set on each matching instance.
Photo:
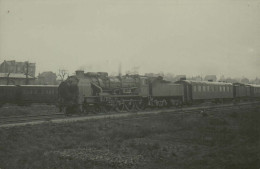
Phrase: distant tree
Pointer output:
(133, 71)
(255, 81)
(195, 78)
(63, 74)
(230, 80)
(169, 76)
(244, 80)
(222, 78)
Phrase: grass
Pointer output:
(221, 139)
(14, 110)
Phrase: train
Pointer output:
(96, 91)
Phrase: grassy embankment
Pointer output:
(209, 140)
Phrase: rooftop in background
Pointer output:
(18, 67)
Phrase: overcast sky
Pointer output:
(192, 37)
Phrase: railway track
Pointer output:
(20, 119)
(61, 117)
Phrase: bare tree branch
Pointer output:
(63, 74)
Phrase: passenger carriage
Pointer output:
(7, 94)
(254, 91)
(38, 93)
(23, 94)
(199, 91)
(241, 91)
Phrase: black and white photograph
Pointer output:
(129, 84)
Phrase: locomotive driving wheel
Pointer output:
(130, 105)
(120, 106)
(139, 105)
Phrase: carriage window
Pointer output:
(220, 88)
(212, 88)
(227, 89)
(194, 89)
(208, 88)
(224, 88)
(203, 88)
(199, 88)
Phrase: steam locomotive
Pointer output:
(96, 91)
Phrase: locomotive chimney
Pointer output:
(80, 73)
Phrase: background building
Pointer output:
(18, 67)
(212, 78)
(47, 78)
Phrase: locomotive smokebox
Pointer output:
(80, 73)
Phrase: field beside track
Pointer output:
(217, 139)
